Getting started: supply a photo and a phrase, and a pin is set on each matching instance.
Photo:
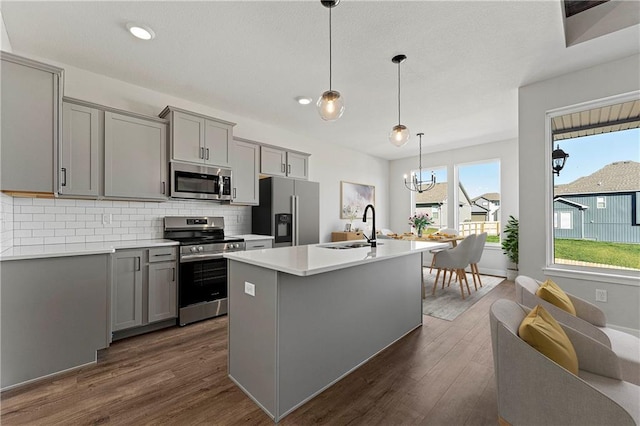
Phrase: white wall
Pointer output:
(493, 261)
(613, 78)
(5, 43)
(329, 164)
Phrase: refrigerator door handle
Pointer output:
(296, 221)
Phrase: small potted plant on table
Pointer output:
(420, 222)
(350, 212)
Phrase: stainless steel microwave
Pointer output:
(200, 182)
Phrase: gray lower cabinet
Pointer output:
(126, 297)
(135, 163)
(245, 165)
(53, 315)
(80, 150)
(144, 288)
(163, 292)
(30, 104)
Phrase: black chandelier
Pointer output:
(417, 184)
(558, 158)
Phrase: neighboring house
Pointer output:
(434, 202)
(602, 206)
(486, 207)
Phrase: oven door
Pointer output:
(200, 182)
(202, 281)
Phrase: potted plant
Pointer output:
(350, 212)
(510, 246)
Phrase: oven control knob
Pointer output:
(193, 249)
(200, 249)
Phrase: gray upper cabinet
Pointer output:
(245, 165)
(279, 162)
(199, 139)
(273, 161)
(80, 151)
(135, 163)
(30, 106)
(297, 165)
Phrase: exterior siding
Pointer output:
(614, 223)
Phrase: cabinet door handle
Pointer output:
(64, 176)
(207, 154)
(138, 263)
(289, 169)
(174, 275)
(164, 189)
(202, 153)
(234, 193)
(282, 168)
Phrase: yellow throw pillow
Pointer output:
(541, 331)
(553, 294)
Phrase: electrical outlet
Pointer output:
(106, 219)
(249, 288)
(601, 295)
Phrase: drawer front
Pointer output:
(162, 254)
(258, 244)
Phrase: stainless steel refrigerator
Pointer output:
(289, 211)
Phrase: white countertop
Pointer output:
(316, 259)
(252, 237)
(78, 249)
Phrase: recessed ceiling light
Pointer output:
(303, 100)
(141, 31)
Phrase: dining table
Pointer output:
(453, 239)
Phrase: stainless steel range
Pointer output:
(202, 288)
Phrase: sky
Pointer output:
(586, 155)
(591, 153)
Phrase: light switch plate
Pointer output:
(249, 288)
(601, 295)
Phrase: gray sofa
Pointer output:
(533, 390)
(589, 320)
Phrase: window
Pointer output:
(479, 199)
(433, 202)
(562, 220)
(594, 197)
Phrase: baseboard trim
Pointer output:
(627, 330)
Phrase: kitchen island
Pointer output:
(301, 318)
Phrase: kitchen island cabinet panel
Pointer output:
(135, 157)
(312, 330)
(30, 105)
(53, 315)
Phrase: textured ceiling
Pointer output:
(466, 60)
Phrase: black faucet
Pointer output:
(371, 240)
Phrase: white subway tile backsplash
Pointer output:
(57, 209)
(26, 221)
(76, 239)
(54, 240)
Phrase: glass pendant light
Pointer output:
(331, 103)
(399, 134)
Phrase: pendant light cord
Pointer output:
(330, 64)
(398, 93)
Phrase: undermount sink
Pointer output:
(347, 246)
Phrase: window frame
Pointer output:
(604, 202)
(551, 268)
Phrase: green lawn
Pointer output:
(615, 254)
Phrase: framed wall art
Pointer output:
(354, 197)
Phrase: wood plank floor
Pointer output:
(440, 374)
